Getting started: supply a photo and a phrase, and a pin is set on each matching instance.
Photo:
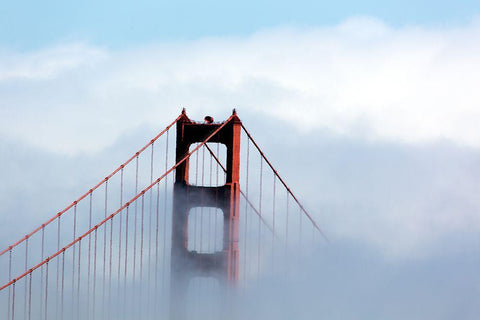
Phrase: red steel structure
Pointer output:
(224, 264)
(123, 250)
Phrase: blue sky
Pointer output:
(118, 24)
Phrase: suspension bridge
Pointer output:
(172, 233)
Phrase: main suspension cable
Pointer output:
(92, 189)
(284, 184)
(94, 229)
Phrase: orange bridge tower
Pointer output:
(187, 264)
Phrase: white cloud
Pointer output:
(48, 63)
(360, 78)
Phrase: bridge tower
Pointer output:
(185, 264)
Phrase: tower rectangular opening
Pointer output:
(205, 230)
(204, 169)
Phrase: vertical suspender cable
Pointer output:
(246, 214)
(126, 261)
(165, 216)
(30, 296)
(149, 226)
(104, 249)
(120, 229)
(9, 278)
(13, 301)
(120, 241)
(142, 223)
(46, 290)
(110, 249)
(94, 289)
(141, 257)
(150, 219)
(196, 168)
(195, 209)
(201, 198)
(109, 297)
(135, 228)
(73, 254)
(155, 270)
(216, 204)
(57, 270)
(78, 277)
(89, 252)
(210, 209)
(62, 285)
(26, 284)
(41, 269)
